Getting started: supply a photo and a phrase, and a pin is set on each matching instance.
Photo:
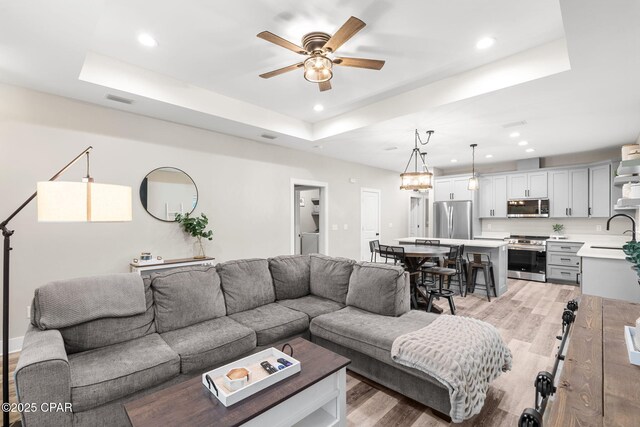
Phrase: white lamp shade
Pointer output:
(60, 201)
(473, 183)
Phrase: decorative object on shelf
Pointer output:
(147, 260)
(318, 67)
(237, 378)
(197, 228)
(558, 229)
(166, 192)
(60, 201)
(418, 180)
(626, 190)
(473, 181)
(630, 152)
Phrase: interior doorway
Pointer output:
(418, 215)
(309, 216)
(369, 219)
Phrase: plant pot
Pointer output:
(198, 249)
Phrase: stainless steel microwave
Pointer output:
(528, 208)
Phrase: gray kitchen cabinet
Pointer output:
(455, 188)
(492, 196)
(569, 193)
(563, 265)
(532, 185)
(600, 191)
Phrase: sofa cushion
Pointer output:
(71, 302)
(312, 305)
(272, 322)
(110, 330)
(186, 296)
(379, 288)
(329, 277)
(205, 344)
(290, 275)
(246, 284)
(368, 333)
(105, 374)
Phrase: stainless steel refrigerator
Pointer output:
(453, 220)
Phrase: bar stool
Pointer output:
(481, 262)
(433, 262)
(440, 292)
(455, 260)
(374, 245)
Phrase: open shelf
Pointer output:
(620, 180)
(629, 167)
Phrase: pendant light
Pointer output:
(473, 181)
(420, 179)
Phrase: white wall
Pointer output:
(244, 188)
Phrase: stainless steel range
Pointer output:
(527, 257)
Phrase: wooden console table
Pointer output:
(169, 263)
(598, 386)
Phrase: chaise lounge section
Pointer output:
(100, 342)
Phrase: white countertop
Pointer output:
(469, 243)
(492, 235)
(591, 240)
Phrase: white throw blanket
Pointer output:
(464, 354)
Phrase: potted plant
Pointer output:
(196, 227)
(632, 252)
(558, 229)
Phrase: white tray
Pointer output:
(634, 355)
(259, 379)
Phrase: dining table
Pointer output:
(415, 257)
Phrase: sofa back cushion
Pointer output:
(291, 276)
(110, 330)
(70, 302)
(329, 277)
(379, 288)
(246, 284)
(186, 296)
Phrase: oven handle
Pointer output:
(525, 248)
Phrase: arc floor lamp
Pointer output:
(60, 201)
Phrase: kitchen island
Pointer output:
(496, 249)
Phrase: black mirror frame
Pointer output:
(143, 191)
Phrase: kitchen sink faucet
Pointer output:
(633, 227)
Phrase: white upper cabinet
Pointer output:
(558, 194)
(532, 185)
(569, 193)
(600, 191)
(492, 196)
(446, 189)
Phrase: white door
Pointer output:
(443, 190)
(415, 217)
(579, 193)
(517, 186)
(537, 184)
(559, 194)
(370, 219)
(600, 191)
(500, 196)
(486, 197)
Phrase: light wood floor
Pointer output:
(14, 417)
(528, 318)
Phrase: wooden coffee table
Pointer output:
(314, 396)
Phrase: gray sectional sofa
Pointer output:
(102, 341)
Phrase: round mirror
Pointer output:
(166, 192)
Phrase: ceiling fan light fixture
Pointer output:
(318, 69)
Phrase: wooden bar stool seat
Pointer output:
(477, 262)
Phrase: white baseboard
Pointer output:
(15, 344)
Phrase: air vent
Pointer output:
(119, 99)
(267, 136)
(514, 124)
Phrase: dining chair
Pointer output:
(374, 245)
(398, 254)
(430, 242)
(456, 261)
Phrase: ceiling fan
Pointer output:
(318, 46)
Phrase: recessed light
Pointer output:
(317, 146)
(318, 107)
(454, 160)
(522, 143)
(485, 42)
(514, 134)
(529, 150)
(488, 156)
(145, 39)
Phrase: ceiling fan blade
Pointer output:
(348, 30)
(372, 64)
(324, 86)
(281, 71)
(270, 37)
